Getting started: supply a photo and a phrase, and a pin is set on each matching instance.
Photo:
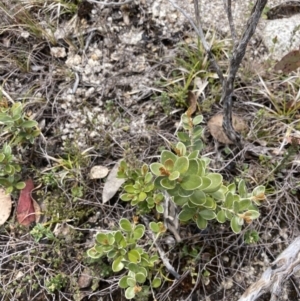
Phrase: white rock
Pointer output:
(285, 32)
(58, 52)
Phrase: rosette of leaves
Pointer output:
(139, 189)
(121, 247)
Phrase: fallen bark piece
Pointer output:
(5, 206)
(25, 208)
(286, 264)
(112, 184)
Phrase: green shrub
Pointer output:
(202, 196)
(19, 131)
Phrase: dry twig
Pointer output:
(235, 60)
(286, 264)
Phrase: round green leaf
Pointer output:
(183, 136)
(182, 192)
(216, 182)
(207, 214)
(154, 227)
(165, 155)
(174, 175)
(186, 214)
(244, 204)
(123, 282)
(221, 217)
(142, 196)
(169, 164)
(253, 214)
(242, 189)
(198, 197)
(201, 222)
(193, 167)
(134, 256)
(206, 182)
(155, 168)
(29, 124)
(180, 149)
(102, 239)
(236, 224)
(140, 278)
(180, 201)
(117, 264)
(131, 281)
(112, 254)
(126, 197)
(210, 203)
(198, 119)
(139, 231)
(130, 189)
(191, 182)
(129, 293)
(229, 198)
(20, 185)
(194, 155)
(167, 184)
(120, 239)
(125, 225)
(93, 253)
(156, 282)
(181, 165)
(159, 208)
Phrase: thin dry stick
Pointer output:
(227, 7)
(235, 61)
(285, 265)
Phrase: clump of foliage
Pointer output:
(122, 248)
(19, 131)
(184, 175)
(202, 196)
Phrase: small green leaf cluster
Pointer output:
(251, 237)
(8, 170)
(56, 283)
(20, 130)
(139, 188)
(39, 232)
(16, 124)
(122, 249)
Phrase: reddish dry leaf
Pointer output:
(289, 62)
(25, 208)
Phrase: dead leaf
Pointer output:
(216, 129)
(5, 205)
(112, 184)
(289, 62)
(192, 101)
(25, 208)
(98, 172)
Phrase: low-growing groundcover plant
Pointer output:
(19, 131)
(200, 194)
